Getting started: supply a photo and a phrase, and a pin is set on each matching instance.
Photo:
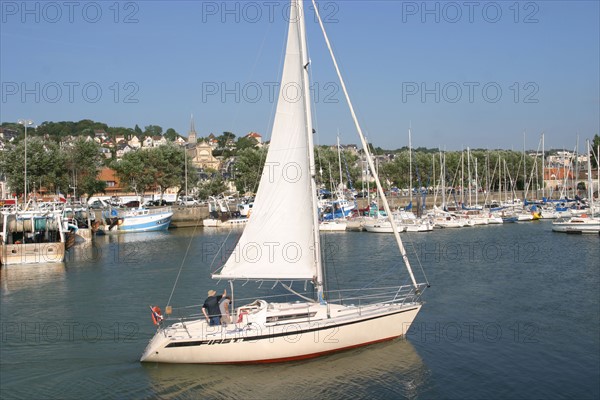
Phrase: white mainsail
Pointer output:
(278, 241)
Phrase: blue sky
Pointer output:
(476, 74)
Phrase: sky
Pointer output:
(460, 74)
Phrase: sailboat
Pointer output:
(334, 219)
(269, 250)
(581, 223)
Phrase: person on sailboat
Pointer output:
(224, 309)
(210, 308)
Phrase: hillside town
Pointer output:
(218, 158)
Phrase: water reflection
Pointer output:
(388, 369)
(26, 276)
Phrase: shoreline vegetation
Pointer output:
(66, 157)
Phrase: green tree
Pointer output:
(134, 171)
(248, 167)
(171, 134)
(328, 166)
(211, 187)
(168, 164)
(153, 130)
(594, 151)
(245, 143)
(84, 161)
(45, 166)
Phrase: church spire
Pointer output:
(192, 134)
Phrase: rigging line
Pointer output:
(271, 117)
(253, 69)
(366, 148)
(212, 263)
(187, 250)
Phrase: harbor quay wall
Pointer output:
(191, 216)
(183, 217)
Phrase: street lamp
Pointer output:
(25, 123)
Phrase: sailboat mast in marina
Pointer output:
(287, 252)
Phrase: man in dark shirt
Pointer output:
(211, 307)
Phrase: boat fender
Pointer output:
(241, 316)
(156, 315)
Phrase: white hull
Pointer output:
(332, 226)
(383, 227)
(524, 217)
(32, 237)
(139, 220)
(577, 225)
(230, 223)
(495, 220)
(423, 226)
(262, 342)
(449, 224)
(32, 253)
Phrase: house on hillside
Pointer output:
(122, 149)
(158, 141)
(147, 142)
(108, 175)
(134, 142)
(100, 135)
(256, 137)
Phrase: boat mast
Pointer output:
(589, 181)
(298, 6)
(433, 175)
(462, 177)
(543, 168)
(525, 185)
(476, 182)
(363, 141)
(410, 186)
(469, 175)
(443, 178)
(339, 149)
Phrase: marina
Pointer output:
(252, 258)
(512, 312)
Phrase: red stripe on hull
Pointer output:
(308, 356)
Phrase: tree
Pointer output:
(171, 134)
(211, 187)
(138, 130)
(84, 161)
(327, 161)
(153, 130)
(245, 143)
(168, 164)
(45, 166)
(248, 166)
(594, 151)
(134, 171)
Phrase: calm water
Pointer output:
(513, 312)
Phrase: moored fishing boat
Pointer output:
(136, 220)
(32, 236)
